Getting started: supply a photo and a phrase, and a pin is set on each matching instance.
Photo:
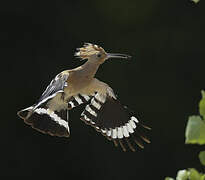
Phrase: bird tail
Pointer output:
(46, 121)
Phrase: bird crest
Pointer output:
(88, 50)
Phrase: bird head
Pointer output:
(96, 53)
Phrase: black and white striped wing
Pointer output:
(56, 86)
(47, 122)
(115, 121)
(41, 118)
(78, 100)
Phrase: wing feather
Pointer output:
(57, 85)
(115, 121)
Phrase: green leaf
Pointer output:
(202, 105)
(195, 130)
(194, 174)
(195, 1)
(169, 178)
(182, 175)
(190, 174)
(202, 177)
(202, 157)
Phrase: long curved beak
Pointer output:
(117, 55)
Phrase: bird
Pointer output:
(103, 110)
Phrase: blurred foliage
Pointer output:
(195, 1)
(195, 130)
(202, 105)
(189, 174)
(195, 134)
(202, 157)
(169, 178)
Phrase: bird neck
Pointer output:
(91, 68)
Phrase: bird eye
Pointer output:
(99, 55)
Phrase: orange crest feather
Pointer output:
(88, 50)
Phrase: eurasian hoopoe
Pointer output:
(78, 86)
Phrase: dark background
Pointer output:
(161, 82)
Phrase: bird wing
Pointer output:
(45, 120)
(56, 86)
(49, 122)
(115, 121)
(78, 100)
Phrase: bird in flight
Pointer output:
(103, 111)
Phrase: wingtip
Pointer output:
(24, 113)
(146, 127)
